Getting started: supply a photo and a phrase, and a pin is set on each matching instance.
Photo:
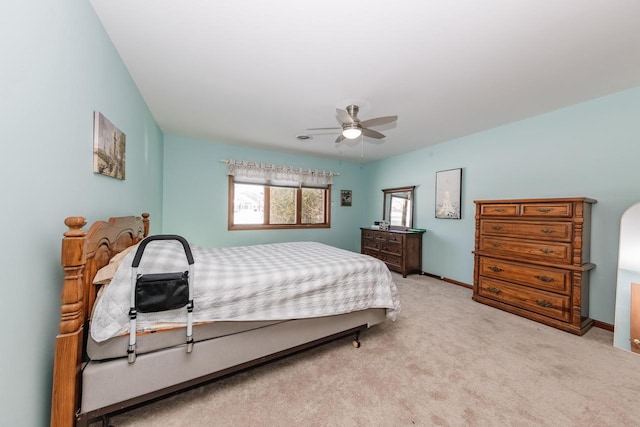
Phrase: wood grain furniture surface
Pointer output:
(532, 258)
(400, 250)
(84, 390)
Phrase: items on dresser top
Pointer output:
(400, 250)
(532, 259)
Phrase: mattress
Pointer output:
(271, 282)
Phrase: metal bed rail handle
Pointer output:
(145, 242)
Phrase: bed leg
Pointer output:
(105, 421)
(356, 340)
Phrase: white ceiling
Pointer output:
(258, 73)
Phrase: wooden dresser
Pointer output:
(400, 250)
(532, 259)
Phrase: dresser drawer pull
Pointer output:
(495, 269)
(546, 251)
(545, 279)
(544, 303)
(498, 210)
(496, 227)
(547, 231)
(494, 290)
(496, 244)
(544, 210)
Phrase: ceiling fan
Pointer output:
(351, 127)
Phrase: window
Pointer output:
(263, 196)
(263, 206)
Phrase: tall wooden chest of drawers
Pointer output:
(400, 250)
(532, 259)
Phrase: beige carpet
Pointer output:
(446, 361)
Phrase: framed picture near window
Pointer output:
(448, 194)
(345, 197)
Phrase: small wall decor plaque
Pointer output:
(345, 197)
(109, 147)
(448, 192)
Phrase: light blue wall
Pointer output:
(590, 149)
(196, 194)
(58, 66)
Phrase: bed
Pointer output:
(89, 372)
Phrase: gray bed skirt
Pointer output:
(107, 383)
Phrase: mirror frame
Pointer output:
(386, 206)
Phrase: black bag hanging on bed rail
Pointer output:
(156, 292)
(160, 292)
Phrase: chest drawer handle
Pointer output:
(544, 210)
(546, 251)
(495, 244)
(545, 279)
(544, 303)
(547, 231)
(496, 227)
(498, 210)
(494, 290)
(495, 269)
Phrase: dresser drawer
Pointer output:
(499, 210)
(399, 250)
(561, 231)
(560, 209)
(391, 248)
(369, 245)
(538, 301)
(373, 253)
(368, 234)
(394, 262)
(554, 252)
(545, 278)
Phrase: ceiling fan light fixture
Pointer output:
(351, 132)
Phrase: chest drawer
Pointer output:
(560, 209)
(393, 261)
(496, 209)
(554, 252)
(391, 248)
(368, 234)
(382, 236)
(540, 230)
(538, 301)
(545, 278)
(369, 245)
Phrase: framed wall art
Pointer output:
(109, 147)
(448, 193)
(345, 197)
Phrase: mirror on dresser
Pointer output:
(398, 207)
(626, 333)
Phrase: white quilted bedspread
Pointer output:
(262, 282)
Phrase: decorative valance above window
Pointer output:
(279, 176)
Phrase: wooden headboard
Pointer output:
(83, 254)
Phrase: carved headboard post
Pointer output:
(145, 222)
(68, 350)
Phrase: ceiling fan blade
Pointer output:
(343, 117)
(340, 138)
(372, 133)
(324, 128)
(379, 121)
